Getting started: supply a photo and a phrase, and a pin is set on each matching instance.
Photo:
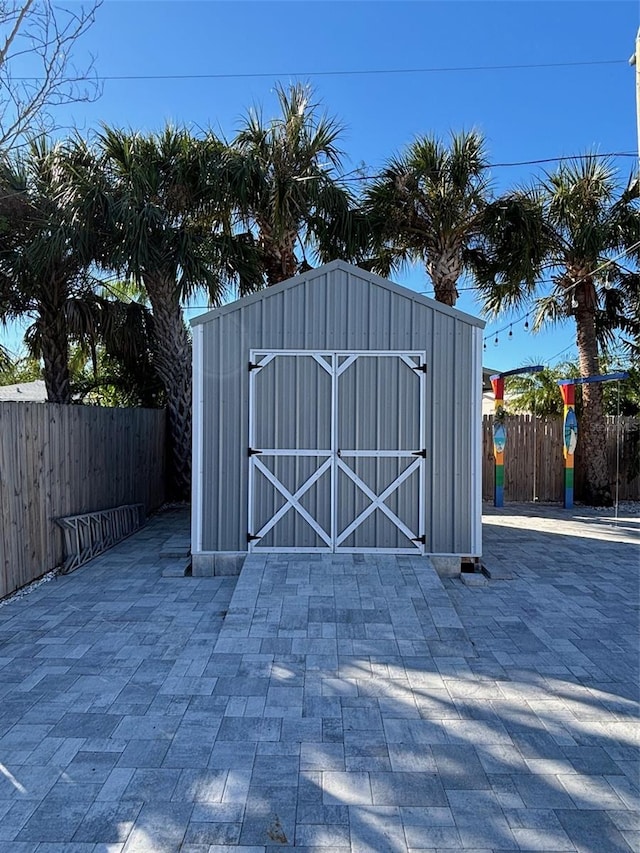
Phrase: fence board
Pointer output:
(66, 460)
(534, 452)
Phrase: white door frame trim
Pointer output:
(329, 360)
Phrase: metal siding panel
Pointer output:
(294, 319)
(476, 443)
(453, 428)
(232, 450)
(273, 313)
(469, 426)
(225, 431)
(357, 311)
(379, 313)
(197, 478)
(253, 330)
(472, 424)
(315, 314)
(210, 435)
(401, 323)
(337, 284)
(422, 324)
(397, 415)
(451, 423)
(293, 406)
(387, 420)
(292, 530)
(442, 515)
(461, 433)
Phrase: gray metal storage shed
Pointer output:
(336, 411)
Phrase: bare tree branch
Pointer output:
(37, 73)
(22, 13)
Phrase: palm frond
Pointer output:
(428, 202)
(549, 310)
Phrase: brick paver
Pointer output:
(341, 703)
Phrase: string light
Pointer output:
(571, 288)
(510, 326)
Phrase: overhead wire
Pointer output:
(561, 352)
(571, 287)
(511, 323)
(595, 155)
(395, 71)
(345, 72)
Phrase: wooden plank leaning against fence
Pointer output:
(521, 451)
(64, 460)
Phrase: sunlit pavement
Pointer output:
(341, 704)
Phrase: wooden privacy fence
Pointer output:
(65, 460)
(533, 454)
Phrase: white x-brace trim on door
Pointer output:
(333, 462)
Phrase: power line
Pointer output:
(525, 316)
(349, 73)
(567, 157)
(512, 323)
(349, 177)
(346, 178)
(562, 351)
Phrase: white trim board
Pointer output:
(197, 414)
(335, 363)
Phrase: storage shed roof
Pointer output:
(356, 273)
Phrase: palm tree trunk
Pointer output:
(172, 358)
(289, 261)
(280, 259)
(273, 269)
(54, 346)
(592, 428)
(444, 269)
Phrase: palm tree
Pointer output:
(283, 176)
(537, 393)
(20, 369)
(577, 226)
(114, 342)
(45, 258)
(158, 203)
(428, 205)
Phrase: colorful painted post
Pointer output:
(500, 427)
(567, 389)
(568, 392)
(499, 439)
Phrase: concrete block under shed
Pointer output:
(211, 564)
(445, 566)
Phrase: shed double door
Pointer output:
(337, 451)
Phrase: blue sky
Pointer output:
(525, 114)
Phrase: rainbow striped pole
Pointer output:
(500, 427)
(499, 439)
(568, 392)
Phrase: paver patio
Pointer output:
(342, 703)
